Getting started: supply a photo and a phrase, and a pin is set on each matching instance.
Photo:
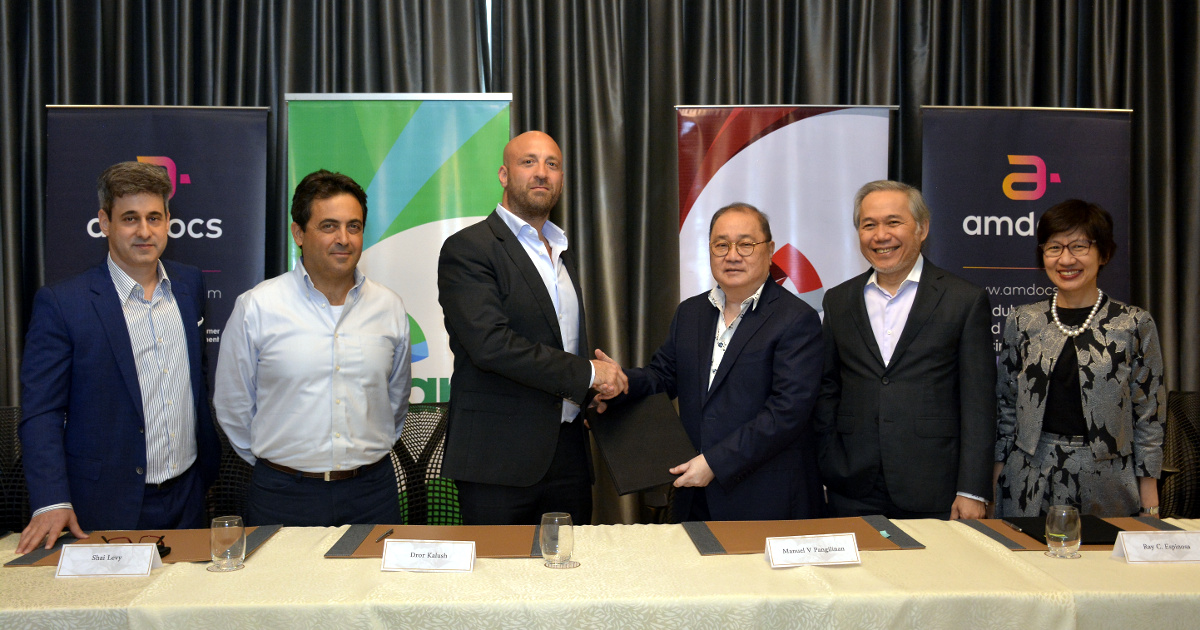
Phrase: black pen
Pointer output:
(1012, 525)
(389, 533)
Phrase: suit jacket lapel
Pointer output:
(751, 322)
(520, 259)
(929, 293)
(704, 339)
(858, 312)
(112, 319)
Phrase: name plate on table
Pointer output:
(798, 551)
(1177, 546)
(131, 560)
(437, 556)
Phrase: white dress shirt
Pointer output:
(305, 387)
(558, 283)
(725, 333)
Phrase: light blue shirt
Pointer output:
(889, 312)
(305, 387)
(558, 283)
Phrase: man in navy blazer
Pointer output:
(744, 360)
(116, 432)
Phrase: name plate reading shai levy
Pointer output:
(1170, 546)
(797, 551)
(128, 560)
(431, 556)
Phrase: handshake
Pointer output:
(610, 380)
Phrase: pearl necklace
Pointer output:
(1075, 332)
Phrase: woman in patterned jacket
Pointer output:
(1079, 386)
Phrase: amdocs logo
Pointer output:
(192, 228)
(981, 225)
(1037, 178)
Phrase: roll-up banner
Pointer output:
(428, 163)
(216, 159)
(990, 173)
(801, 165)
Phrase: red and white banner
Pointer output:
(799, 165)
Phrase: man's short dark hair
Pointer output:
(1075, 214)
(323, 184)
(131, 178)
(763, 221)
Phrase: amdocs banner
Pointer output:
(216, 159)
(428, 163)
(990, 173)
(799, 165)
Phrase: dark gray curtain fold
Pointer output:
(602, 77)
(206, 53)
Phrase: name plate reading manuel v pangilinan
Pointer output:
(131, 560)
(798, 551)
(1170, 546)
(434, 556)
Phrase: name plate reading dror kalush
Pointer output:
(128, 560)
(1174, 546)
(798, 551)
(436, 556)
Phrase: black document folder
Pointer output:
(640, 441)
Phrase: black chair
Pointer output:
(14, 496)
(426, 498)
(1180, 489)
(227, 496)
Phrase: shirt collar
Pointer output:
(306, 281)
(914, 275)
(126, 285)
(522, 229)
(717, 298)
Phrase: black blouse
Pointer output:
(1064, 401)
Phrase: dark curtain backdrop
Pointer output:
(602, 77)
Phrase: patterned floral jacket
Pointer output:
(1120, 374)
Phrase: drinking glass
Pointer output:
(1062, 532)
(227, 540)
(557, 540)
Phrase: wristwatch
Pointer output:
(1150, 511)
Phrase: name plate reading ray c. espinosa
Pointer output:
(131, 560)
(1171, 546)
(429, 556)
(798, 551)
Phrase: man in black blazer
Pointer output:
(744, 361)
(508, 286)
(907, 412)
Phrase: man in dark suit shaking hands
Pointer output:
(744, 361)
(509, 288)
(116, 431)
(907, 412)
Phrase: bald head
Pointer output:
(532, 176)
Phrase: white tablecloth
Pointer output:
(631, 576)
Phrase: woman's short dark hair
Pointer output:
(1076, 214)
(323, 184)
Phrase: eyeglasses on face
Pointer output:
(163, 549)
(1078, 248)
(720, 249)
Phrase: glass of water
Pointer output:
(557, 540)
(227, 540)
(1062, 532)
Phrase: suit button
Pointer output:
(885, 380)
(139, 470)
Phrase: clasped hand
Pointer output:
(610, 380)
